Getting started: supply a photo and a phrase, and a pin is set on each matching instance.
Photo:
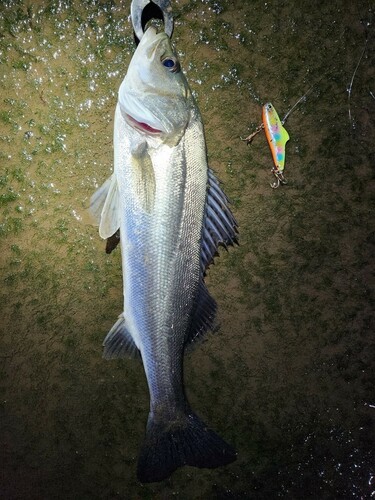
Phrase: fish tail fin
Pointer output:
(187, 441)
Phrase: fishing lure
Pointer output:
(277, 137)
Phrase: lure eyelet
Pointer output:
(171, 64)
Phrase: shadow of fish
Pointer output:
(172, 216)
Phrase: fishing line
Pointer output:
(250, 137)
(303, 98)
(365, 25)
(274, 126)
(349, 88)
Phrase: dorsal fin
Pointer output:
(219, 225)
(219, 228)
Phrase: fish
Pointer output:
(172, 216)
(277, 137)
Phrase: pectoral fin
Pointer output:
(105, 208)
(143, 179)
(97, 201)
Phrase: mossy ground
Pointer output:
(289, 376)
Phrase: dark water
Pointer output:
(289, 377)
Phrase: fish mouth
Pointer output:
(141, 126)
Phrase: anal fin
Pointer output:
(119, 343)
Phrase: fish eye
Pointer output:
(171, 64)
(168, 63)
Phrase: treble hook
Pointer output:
(143, 11)
(280, 178)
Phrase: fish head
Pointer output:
(154, 96)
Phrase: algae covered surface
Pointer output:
(288, 375)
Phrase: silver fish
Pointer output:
(172, 216)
